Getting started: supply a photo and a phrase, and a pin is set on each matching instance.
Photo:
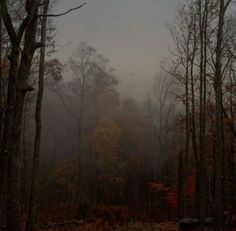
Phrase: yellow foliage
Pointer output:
(64, 175)
(106, 139)
(106, 142)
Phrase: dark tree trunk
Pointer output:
(2, 157)
(13, 171)
(1, 79)
(180, 185)
(193, 125)
(32, 213)
(17, 87)
(218, 120)
(203, 8)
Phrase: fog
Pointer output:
(117, 115)
(131, 33)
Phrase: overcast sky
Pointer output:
(132, 34)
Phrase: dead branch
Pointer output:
(64, 13)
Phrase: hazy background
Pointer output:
(131, 33)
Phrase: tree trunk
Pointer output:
(218, 120)
(32, 213)
(15, 160)
(1, 78)
(2, 158)
(193, 125)
(187, 134)
(13, 171)
(202, 135)
(180, 185)
(80, 138)
(17, 88)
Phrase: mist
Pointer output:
(117, 115)
(131, 34)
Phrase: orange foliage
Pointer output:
(170, 196)
(171, 199)
(190, 186)
(159, 187)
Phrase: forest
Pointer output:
(77, 154)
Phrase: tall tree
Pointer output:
(20, 64)
(219, 156)
(32, 213)
(93, 78)
(203, 23)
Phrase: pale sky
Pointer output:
(132, 34)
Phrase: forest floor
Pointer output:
(100, 225)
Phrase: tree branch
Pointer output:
(28, 18)
(227, 4)
(64, 13)
(8, 21)
(38, 45)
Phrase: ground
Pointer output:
(134, 226)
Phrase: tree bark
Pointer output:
(218, 120)
(180, 185)
(32, 213)
(1, 78)
(2, 159)
(17, 87)
(203, 8)
(193, 122)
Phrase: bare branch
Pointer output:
(8, 21)
(64, 13)
(38, 45)
(227, 4)
(30, 14)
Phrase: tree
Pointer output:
(106, 148)
(219, 156)
(32, 213)
(184, 35)
(20, 64)
(93, 80)
(161, 108)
